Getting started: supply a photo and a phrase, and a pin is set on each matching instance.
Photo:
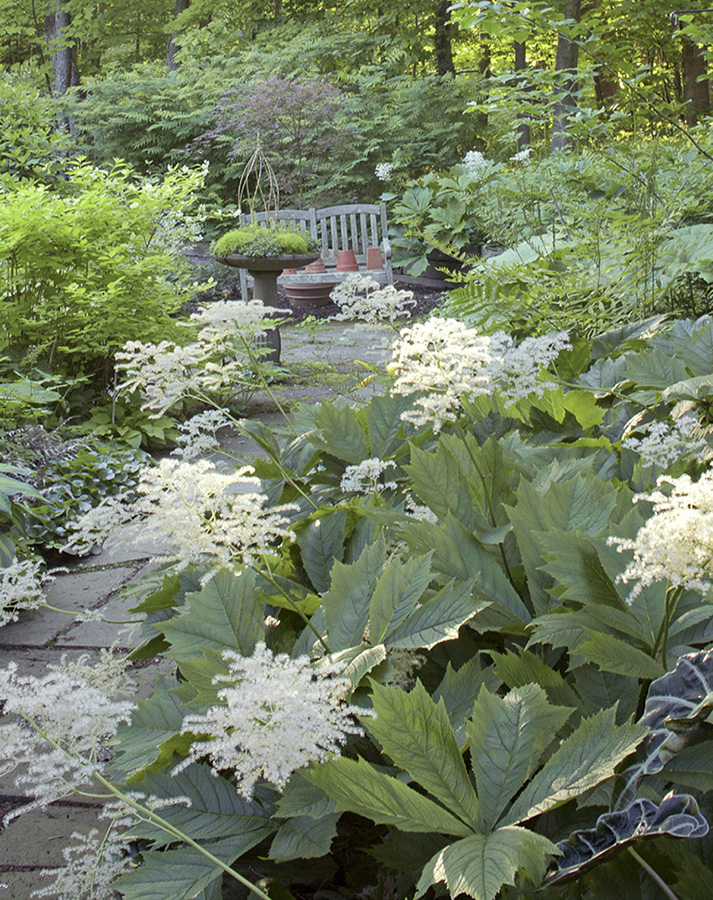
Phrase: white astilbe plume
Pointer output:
(220, 357)
(199, 435)
(474, 163)
(361, 297)
(676, 543)
(56, 731)
(91, 866)
(365, 477)
(276, 715)
(206, 516)
(442, 360)
(663, 442)
(21, 587)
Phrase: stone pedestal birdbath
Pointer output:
(265, 271)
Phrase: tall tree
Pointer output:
(181, 7)
(60, 46)
(566, 61)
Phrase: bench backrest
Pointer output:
(354, 226)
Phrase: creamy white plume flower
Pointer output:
(276, 715)
(362, 297)
(206, 516)
(383, 171)
(199, 434)
(522, 156)
(442, 360)
(416, 511)
(91, 866)
(663, 443)
(676, 543)
(474, 162)
(365, 477)
(22, 586)
(56, 731)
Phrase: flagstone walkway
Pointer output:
(35, 840)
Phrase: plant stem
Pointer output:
(653, 874)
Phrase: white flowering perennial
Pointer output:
(383, 171)
(676, 543)
(91, 866)
(442, 360)
(474, 163)
(366, 477)
(55, 732)
(199, 435)
(663, 443)
(206, 516)
(167, 373)
(361, 297)
(276, 715)
(522, 156)
(21, 587)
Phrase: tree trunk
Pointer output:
(567, 59)
(523, 129)
(172, 49)
(57, 22)
(442, 39)
(695, 92)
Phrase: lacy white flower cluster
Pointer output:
(383, 171)
(276, 715)
(523, 156)
(91, 866)
(199, 434)
(676, 543)
(21, 587)
(207, 516)
(361, 297)
(62, 707)
(365, 477)
(442, 360)
(664, 443)
(419, 512)
(474, 163)
(216, 361)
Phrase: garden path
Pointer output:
(322, 362)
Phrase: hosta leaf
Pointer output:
(397, 594)
(321, 543)
(304, 837)
(507, 736)
(357, 787)
(481, 864)
(614, 655)
(227, 614)
(416, 733)
(437, 619)
(346, 603)
(151, 737)
(216, 810)
(677, 815)
(589, 755)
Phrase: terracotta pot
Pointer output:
(289, 271)
(373, 258)
(317, 267)
(309, 293)
(346, 261)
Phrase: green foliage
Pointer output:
(28, 143)
(256, 240)
(91, 266)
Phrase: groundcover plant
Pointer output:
(438, 630)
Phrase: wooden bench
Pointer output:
(354, 226)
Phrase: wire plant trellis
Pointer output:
(258, 188)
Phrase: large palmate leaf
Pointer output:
(481, 864)
(384, 424)
(397, 593)
(358, 787)
(677, 815)
(519, 669)
(507, 735)
(691, 767)
(153, 735)
(216, 810)
(339, 432)
(589, 755)
(614, 655)
(443, 486)
(347, 603)
(458, 691)
(304, 837)
(416, 733)
(573, 561)
(321, 543)
(226, 614)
